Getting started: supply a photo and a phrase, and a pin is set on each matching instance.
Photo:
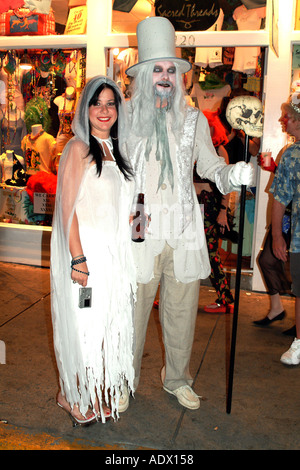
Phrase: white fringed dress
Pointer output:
(93, 346)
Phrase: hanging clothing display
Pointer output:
(245, 58)
(27, 102)
(74, 73)
(211, 56)
(209, 94)
(127, 58)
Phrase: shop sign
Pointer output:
(76, 23)
(43, 203)
(186, 15)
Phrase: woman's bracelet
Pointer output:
(78, 260)
(78, 256)
(223, 207)
(82, 272)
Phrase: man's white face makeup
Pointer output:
(164, 81)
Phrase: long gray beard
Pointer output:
(165, 96)
(162, 147)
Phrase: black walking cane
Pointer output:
(237, 281)
(243, 112)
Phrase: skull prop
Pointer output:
(245, 112)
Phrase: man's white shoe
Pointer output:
(186, 397)
(124, 400)
(292, 356)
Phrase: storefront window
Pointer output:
(38, 95)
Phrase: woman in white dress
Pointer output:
(91, 248)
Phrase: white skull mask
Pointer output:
(245, 112)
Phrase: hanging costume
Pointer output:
(93, 346)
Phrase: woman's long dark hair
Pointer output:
(96, 149)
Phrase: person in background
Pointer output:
(216, 223)
(273, 269)
(285, 190)
(91, 248)
(166, 138)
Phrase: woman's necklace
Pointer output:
(12, 124)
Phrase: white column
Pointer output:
(98, 27)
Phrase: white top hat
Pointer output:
(156, 42)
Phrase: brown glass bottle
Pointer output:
(139, 221)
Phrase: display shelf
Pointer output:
(223, 39)
(43, 42)
(25, 244)
(200, 39)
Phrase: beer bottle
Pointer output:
(139, 220)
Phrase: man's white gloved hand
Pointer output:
(242, 173)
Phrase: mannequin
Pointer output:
(67, 100)
(6, 80)
(36, 130)
(66, 110)
(39, 151)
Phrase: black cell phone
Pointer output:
(85, 297)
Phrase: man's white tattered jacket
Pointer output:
(175, 215)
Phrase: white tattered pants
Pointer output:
(178, 305)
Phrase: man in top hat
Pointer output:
(166, 138)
